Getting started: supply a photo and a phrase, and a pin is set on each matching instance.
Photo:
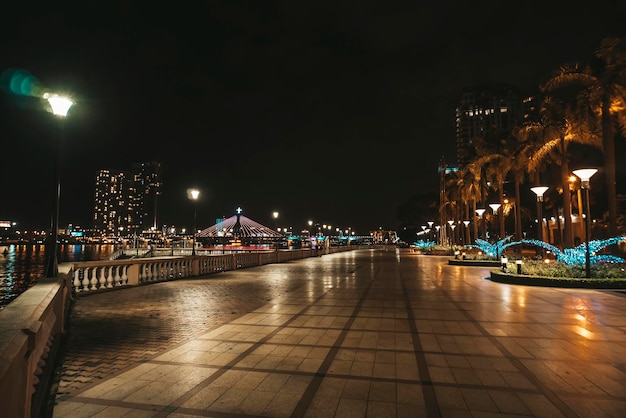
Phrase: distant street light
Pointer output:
(430, 227)
(60, 106)
(481, 226)
(494, 208)
(275, 216)
(585, 174)
(539, 191)
(467, 239)
(193, 195)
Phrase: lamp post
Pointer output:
(480, 213)
(60, 106)
(193, 195)
(452, 226)
(539, 191)
(494, 208)
(430, 228)
(467, 239)
(585, 174)
(451, 223)
(275, 216)
(310, 223)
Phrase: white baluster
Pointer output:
(102, 280)
(76, 279)
(112, 277)
(124, 278)
(93, 279)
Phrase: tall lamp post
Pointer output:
(481, 226)
(451, 224)
(494, 208)
(468, 238)
(60, 106)
(193, 194)
(275, 216)
(585, 174)
(539, 191)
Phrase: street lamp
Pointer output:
(60, 106)
(452, 241)
(275, 216)
(494, 208)
(467, 239)
(539, 191)
(480, 213)
(585, 174)
(193, 195)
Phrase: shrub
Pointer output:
(553, 268)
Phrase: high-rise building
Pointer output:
(126, 202)
(111, 199)
(145, 189)
(488, 112)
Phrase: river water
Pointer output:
(21, 265)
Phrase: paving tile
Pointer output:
(277, 341)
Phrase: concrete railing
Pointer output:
(91, 276)
(30, 334)
(32, 325)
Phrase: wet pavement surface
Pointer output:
(372, 332)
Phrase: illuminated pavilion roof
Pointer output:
(238, 226)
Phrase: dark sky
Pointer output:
(333, 111)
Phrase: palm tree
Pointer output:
(470, 193)
(525, 146)
(564, 122)
(602, 102)
(496, 161)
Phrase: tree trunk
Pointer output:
(501, 216)
(518, 217)
(608, 146)
(476, 220)
(568, 236)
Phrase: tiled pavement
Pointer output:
(367, 333)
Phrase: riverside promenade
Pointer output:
(380, 332)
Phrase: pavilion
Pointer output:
(239, 230)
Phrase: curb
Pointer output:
(481, 263)
(584, 283)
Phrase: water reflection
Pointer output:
(22, 265)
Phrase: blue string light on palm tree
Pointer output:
(424, 245)
(494, 250)
(577, 255)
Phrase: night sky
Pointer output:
(332, 111)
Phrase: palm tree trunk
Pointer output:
(475, 220)
(518, 217)
(608, 146)
(568, 236)
(502, 232)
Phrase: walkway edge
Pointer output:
(511, 278)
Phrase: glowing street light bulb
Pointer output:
(585, 174)
(60, 105)
(539, 191)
